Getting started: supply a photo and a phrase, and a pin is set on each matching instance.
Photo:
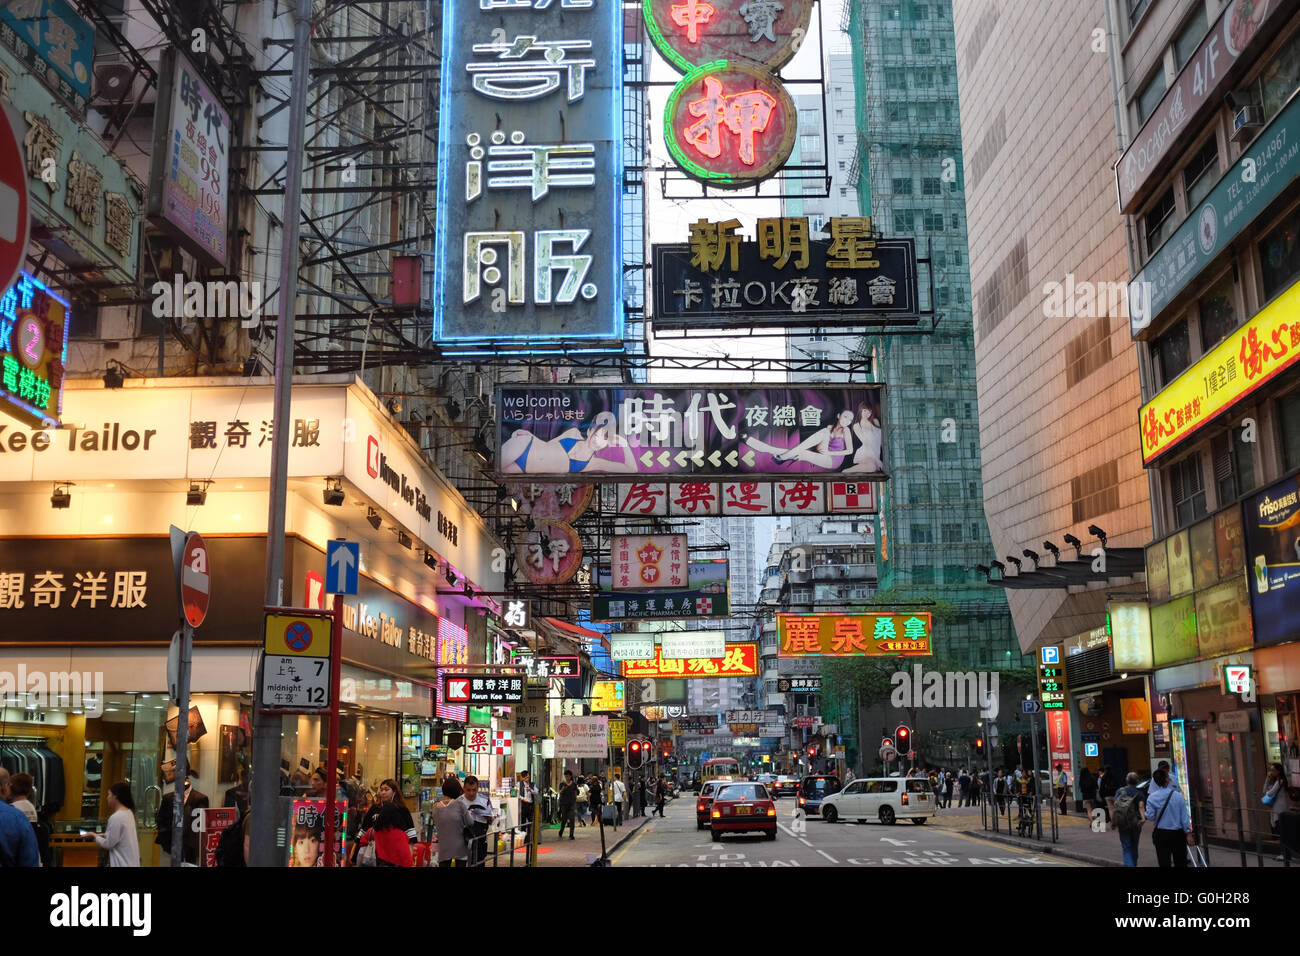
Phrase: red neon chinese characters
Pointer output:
(690, 15)
(801, 635)
(745, 114)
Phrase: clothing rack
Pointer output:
(46, 769)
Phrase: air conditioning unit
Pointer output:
(1248, 121)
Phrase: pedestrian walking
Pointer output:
(1278, 801)
(595, 798)
(527, 801)
(1087, 790)
(645, 794)
(119, 837)
(1000, 791)
(1166, 806)
(389, 793)
(661, 796)
(388, 834)
(1107, 787)
(17, 837)
(1129, 815)
(963, 784)
(584, 793)
(619, 792)
(481, 816)
(949, 782)
(568, 803)
(451, 817)
(1062, 788)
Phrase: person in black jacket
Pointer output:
(194, 801)
(595, 798)
(389, 792)
(568, 801)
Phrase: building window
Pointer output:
(1160, 221)
(1234, 471)
(957, 257)
(807, 118)
(923, 574)
(951, 533)
(921, 45)
(1201, 173)
(953, 574)
(843, 192)
(895, 78)
(904, 220)
(902, 187)
(1218, 312)
(947, 451)
(892, 12)
(1095, 492)
(920, 11)
(942, 296)
(931, 186)
(1150, 96)
(1280, 78)
(1189, 37)
(810, 145)
(927, 112)
(933, 222)
(1279, 255)
(839, 138)
(975, 531)
(1187, 487)
(1288, 413)
(1087, 352)
(914, 454)
(1172, 352)
(1135, 10)
(896, 112)
(923, 78)
(922, 534)
(918, 493)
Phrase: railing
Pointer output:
(490, 846)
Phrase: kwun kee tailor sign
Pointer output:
(529, 162)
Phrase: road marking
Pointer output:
(787, 830)
(805, 842)
(1002, 847)
(828, 856)
(645, 828)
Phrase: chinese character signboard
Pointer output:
(579, 738)
(648, 562)
(798, 685)
(707, 596)
(307, 831)
(555, 667)
(54, 44)
(453, 652)
(715, 431)
(482, 690)
(756, 498)
(529, 162)
(515, 614)
(854, 635)
(1254, 354)
(33, 350)
(532, 718)
(549, 554)
(608, 695)
(695, 723)
(618, 732)
(188, 181)
(719, 276)
(710, 644)
(691, 33)
(631, 647)
(740, 660)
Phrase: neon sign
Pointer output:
(33, 350)
(690, 33)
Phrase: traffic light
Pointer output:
(635, 755)
(979, 746)
(886, 742)
(903, 734)
(812, 751)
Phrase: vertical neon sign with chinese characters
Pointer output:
(529, 162)
(453, 652)
(33, 351)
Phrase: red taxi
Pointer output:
(704, 802)
(738, 807)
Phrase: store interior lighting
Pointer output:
(333, 493)
(62, 498)
(374, 518)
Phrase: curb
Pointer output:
(1041, 848)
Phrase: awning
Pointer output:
(582, 632)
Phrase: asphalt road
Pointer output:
(674, 841)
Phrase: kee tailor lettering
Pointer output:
(112, 437)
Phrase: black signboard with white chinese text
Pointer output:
(798, 685)
(482, 690)
(720, 279)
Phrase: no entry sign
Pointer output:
(195, 580)
(15, 212)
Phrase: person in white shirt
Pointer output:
(20, 789)
(619, 792)
(119, 837)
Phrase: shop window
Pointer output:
(1201, 173)
(1288, 413)
(1160, 221)
(1150, 96)
(1218, 311)
(1187, 489)
(1279, 255)
(1234, 470)
(1172, 352)
(1190, 36)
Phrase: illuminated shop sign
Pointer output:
(854, 635)
(741, 660)
(33, 352)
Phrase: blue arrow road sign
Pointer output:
(1030, 707)
(342, 562)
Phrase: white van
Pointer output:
(881, 798)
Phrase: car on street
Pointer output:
(704, 802)
(786, 784)
(881, 798)
(740, 808)
(768, 780)
(814, 788)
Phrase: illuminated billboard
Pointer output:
(886, 634)
(740, 660)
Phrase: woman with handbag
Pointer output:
(1277, 799)
(386, 843)
(1173, 829)
(452, 819)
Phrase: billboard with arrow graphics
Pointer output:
(716, 431)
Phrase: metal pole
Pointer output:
(1038, 809)
(182, 744)
(267, 727)
(332, 756)
(993, 806)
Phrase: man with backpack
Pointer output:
(1128, 817)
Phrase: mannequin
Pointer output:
(194, 801)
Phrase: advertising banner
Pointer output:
(757, 498)
(718, 431)
(741, 660)
(1180, 563)
(799, 685)
(33, 353)
(1272, 524)
(1253, 355)
(55, 45)
(852, 276)
(529, 236)
(707, 597)
(617, 732)
(1196, 86)
(1058, 743)
(1158, 572)
(213, 821)
(649, 562)
(678, 644)
(1173, 631)
(1130, 626)
(307, 832)
(189, 177)
(608, 695)
(854, 635)
(1223, 619)
(581, 737)
(1236, 201)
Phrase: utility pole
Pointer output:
(267, 727)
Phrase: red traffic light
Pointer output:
(635, 746)
(812, 751)
(886, 742)
(902, 733)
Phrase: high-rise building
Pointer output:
(732, 693)
(932, 529)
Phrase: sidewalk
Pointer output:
(585, 847)
(1078, 841)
